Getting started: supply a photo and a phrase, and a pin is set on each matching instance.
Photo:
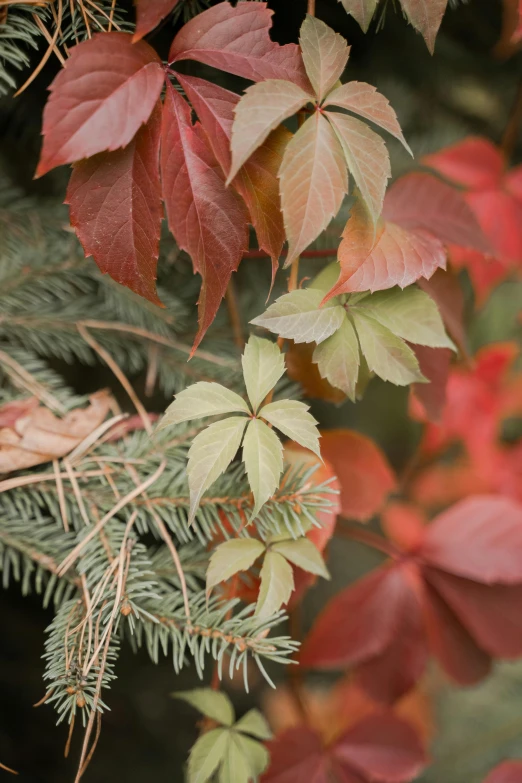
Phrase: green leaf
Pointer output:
(277, 584)
(263, 458)
(338, 359)
(253, 722)
(297, 316)
(326, 279)
(202, 399)
(261, 109)
(263, 365)
(294, 421)
(235, 763)
(387, 355)
(367, 159)
(410, 314)
(228, 558)
(304, 554)
(257, 756)
(207, 754)
(213, 704)
(325, 54)
(210, 454)
(361, 10)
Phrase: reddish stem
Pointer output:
(327, 253)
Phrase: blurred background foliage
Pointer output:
(468, 87)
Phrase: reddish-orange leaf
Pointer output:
(485, 272)
(106, 91)
(362, 469)
(207, 219)
(445, 289)
(115, 209)
(149, 14)
(508, 771)
(428, 399)
(475, 163)
(257, 181)
(236, 39)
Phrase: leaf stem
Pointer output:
(311, 8)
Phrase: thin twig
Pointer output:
(24, 379)
(120, 375)
(311, 7)
(61, 495)
(43, 29)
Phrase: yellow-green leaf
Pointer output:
(263, 365)
(338, 359)
(254, 723)
(207, 754)
(277, 584)
(213, 704)
(387, 356)
(304, 554)
(263, 458)
(325, 54)
(228, 558)
(210, 454)
(299, 317)
(294, 421)
(200, 400)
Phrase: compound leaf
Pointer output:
(291, 417)
(207, 754)
(387, 355)
(298, 316)
(263, 458)
(204, 398)
(304, 554)
(210, 454)
(325, 54)
(228, 558)
(338, 359)
(277, 584)
(214, 704)
(254, 723)
(263, 365)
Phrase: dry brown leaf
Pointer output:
(37, 435)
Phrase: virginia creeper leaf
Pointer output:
(235, 765)
(263, 365)
(228, 558)
(295, 755)
(210, 454)
(207, 754)
(420, 200)
(410, 314)
(363, 99)
(425, 16)
(263, 458)
(474, 163)
(298, 316)
(207, 219)
(313, 183)
(400, 257)
(105, 92)
(367, 159)
(255, 754)
(115, 209)
(446, 291)
(362, 469)
(361, 10)
(149, 14)
(204, 398)
(261, 109)
(277, 583)
(236, 39)
(257, 181)
(325, 54)
(434, 364)
(387, 355)
(304, 554)
(214, 704)
(291, 417)
(358, 239)
(338, 359)
(254, 723)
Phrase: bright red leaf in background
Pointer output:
(421, 215)
(495, 196)
(115, 208)
(455, 588)
(507, 772)
(363, 471)
(381, 747)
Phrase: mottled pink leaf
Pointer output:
(149, 14)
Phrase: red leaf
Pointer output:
(500, 215)
(422, 201)
(404, 525)
(507, 772)
(381, 748)
(455, 649)
(236, 39)
(257, 181)
(115, 208)
(445, 289)
(479, 538)
(362, 469)
(474, 163)
(429, 399)
(358, 623)
(295, 755)
(207, 219)
(426, 17)
(484, 272)
(149, 14)
(491, 613)
(105, 92)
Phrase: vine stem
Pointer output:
(311, 7)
